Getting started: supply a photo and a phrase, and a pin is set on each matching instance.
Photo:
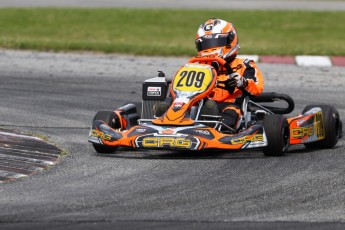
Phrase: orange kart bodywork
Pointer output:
(303, 129)
(181, 128)
(191, 138)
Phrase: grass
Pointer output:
(169, 32)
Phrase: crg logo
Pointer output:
(172, 142)
(245, 139)
(103, 136)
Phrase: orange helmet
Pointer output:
(217, 37)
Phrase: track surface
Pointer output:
(58, 94)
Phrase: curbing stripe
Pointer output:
(313, 61)
(338, 61)
(300, 60)
(20, 136)
(278, 59)
(43, 163)
(23, 155)
(11, 175)
(255, 58)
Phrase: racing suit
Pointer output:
(229, 104)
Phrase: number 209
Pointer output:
(191, 78)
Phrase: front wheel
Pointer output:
(104, 149)
(110, 118)
(278, 135)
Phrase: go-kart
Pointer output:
(174, 115)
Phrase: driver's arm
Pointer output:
(254, 77)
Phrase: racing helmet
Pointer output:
(217, 37)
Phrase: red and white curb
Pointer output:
(300, 60)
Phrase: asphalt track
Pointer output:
(57, 95)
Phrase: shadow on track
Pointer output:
(182, 155)
(127, 153)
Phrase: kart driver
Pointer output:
(217, 37)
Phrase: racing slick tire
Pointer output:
(108, 117)
(332, 126)
(278, 135)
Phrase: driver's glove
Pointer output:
(237, 80)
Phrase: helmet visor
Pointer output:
(213, 40)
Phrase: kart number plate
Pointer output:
(192, 78)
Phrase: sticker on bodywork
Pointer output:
(154, 91)
(168, 141)
(192, 78)
(309, 128)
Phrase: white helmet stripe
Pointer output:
(201, 32)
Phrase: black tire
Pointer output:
(109, 117)
(278, 135)
(104, 148)
(331, 126)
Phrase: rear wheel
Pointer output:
(332, 127)
(278, 135)
(108, 117)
